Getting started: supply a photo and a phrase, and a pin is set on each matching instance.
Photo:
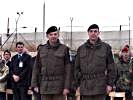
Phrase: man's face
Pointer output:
(20, 48)
(7, 56)
(53, 36)
(93, 34)
(126, 55)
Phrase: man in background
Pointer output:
(4, 70)
(20, 73)
(7, 56)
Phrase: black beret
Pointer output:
(93, 26)
(51, 29)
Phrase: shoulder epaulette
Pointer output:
(40, 45)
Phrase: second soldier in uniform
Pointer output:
(94, 67)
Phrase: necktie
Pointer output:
(19, 56)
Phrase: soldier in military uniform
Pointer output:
(94, 67)
(52, 68)
(124, 72)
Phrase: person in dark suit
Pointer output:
(71, 95)
(7, 56)
(20, 73)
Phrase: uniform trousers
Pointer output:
(20, 93)
(37, 96)
(9, 96)
(52, 97)
(2, 95)
(93, 97)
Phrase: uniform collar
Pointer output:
(97, 44)
(122, 61)
(55, 46)
(20, 54)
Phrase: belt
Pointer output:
(93, 76)
(51, 78)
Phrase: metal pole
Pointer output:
(19, 14)
(35, 36)
(120, 37)
(129, 31)
(8, 26)
(43, 21)
(71, 19)
(16, 30)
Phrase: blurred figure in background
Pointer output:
(7, 56)
(71, 95)
(124, 69)
(4, 70)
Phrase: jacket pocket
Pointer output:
(82, 55)
(43, 55)
(101, 58)
(59, 58)
(83, 59)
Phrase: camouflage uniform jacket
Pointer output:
(52, 69)
(124, 69)
(94, 68)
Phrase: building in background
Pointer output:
(115, 38)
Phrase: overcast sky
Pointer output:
(106, 13)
